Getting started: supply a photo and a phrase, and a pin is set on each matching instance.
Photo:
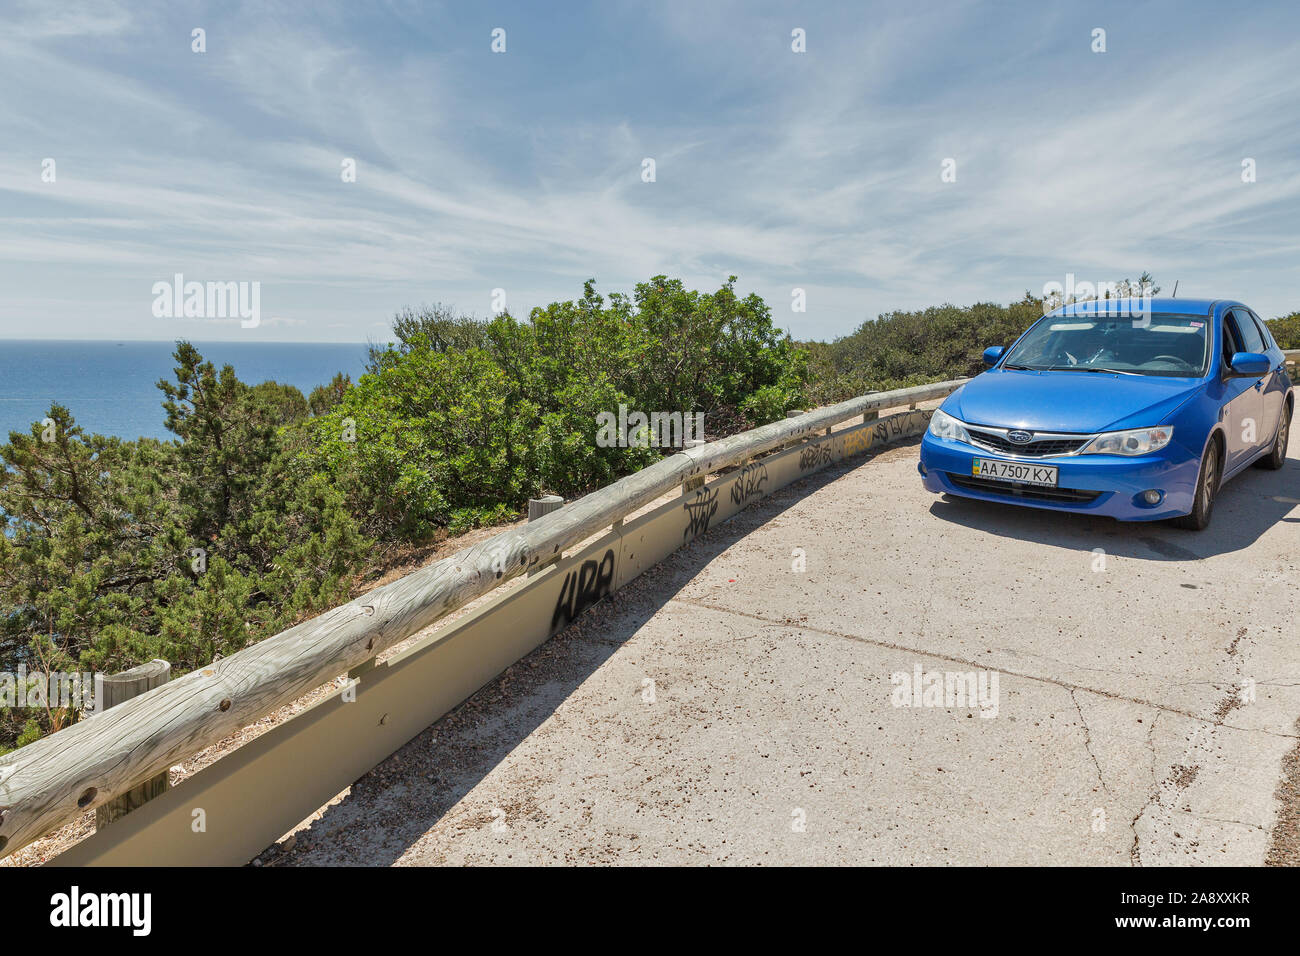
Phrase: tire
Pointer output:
(1276, 458)
(1207, 489)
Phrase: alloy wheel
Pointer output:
(1211, 480)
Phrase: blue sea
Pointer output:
(110, 386)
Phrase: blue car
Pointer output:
(1136, 409)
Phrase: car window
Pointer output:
(1169, 344)
(1231, 340)
(1251, 340)
(1263, 331)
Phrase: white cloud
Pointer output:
(820, 172)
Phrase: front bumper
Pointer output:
(1109, 485)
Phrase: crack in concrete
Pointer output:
(1183, 775)
(1135, 853)
(1217, 685)
(978, 665)
(1087, 743)
(1240, 823)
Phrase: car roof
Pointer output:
(1159, 304)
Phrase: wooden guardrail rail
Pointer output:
(51, 781)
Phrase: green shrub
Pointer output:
(909, 348)
(460, 422)
(1286, 330)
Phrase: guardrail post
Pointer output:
(536, 508)
(870, 416)
(122, 687)
(543, 506)
(795, 413)
(697, 482)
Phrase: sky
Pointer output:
(486, 178)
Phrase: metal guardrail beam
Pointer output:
(51, 781)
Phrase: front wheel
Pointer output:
(1207, 488)
(1276, 458)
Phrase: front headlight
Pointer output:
(1138, 441)
(943, 425)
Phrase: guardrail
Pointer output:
(53, 780)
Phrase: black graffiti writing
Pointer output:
(700, 511)
(749, 484)
(815, 456)
(583, 587)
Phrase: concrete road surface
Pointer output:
(730, 707)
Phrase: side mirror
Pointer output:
(993, 353)
(1248, 365)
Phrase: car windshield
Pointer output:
(1158, 344)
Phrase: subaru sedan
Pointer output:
(1136, 409)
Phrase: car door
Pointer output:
(1275, 382)
(1242, 405)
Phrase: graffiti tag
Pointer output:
(700, 511)
(857, 441)
(885, 430)
(583, 587)
(749, 484)
(815, 456)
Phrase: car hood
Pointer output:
(1069, 401)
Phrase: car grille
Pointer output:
(1037, 448)
(1016, 489)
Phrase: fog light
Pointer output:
(1152, 497)
(920, 466)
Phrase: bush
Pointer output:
(1286, 330)
(460, 422)
(900, 349)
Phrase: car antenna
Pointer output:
(1175, 292)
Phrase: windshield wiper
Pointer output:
(1022, 368)
(1087, 368)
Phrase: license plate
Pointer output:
(1014, 471)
